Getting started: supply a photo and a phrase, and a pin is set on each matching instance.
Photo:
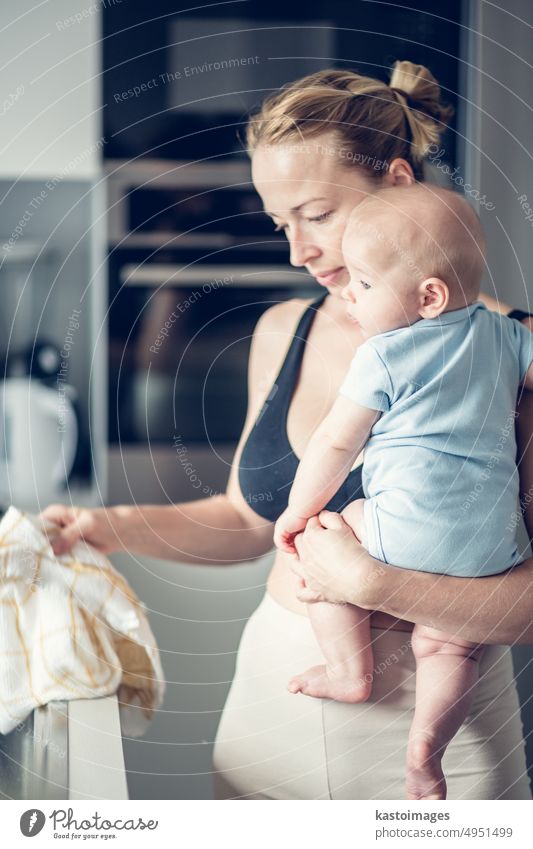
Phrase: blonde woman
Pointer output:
(318, 147)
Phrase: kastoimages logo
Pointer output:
(32, 822)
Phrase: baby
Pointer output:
(432, 395)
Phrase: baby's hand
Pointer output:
(287, 527)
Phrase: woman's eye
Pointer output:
(322, 217)
(364, 284)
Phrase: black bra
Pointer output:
(268, 463)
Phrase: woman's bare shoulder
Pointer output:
(283, 317)
(272, 336)
(275, 329)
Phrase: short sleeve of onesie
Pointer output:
(368, 381)
(523, 339)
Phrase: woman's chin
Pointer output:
(334, 289)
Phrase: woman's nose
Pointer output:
(302, 251)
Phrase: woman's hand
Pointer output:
(333, 565)
(97, 527)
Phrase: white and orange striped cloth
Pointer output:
(70, 628)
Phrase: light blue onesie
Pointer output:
(440, 472)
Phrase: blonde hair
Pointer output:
(373, 121)
(433, 231)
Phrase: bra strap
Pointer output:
(287, 375)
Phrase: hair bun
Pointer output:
(417, 83)
(426, 113)
(403, 93)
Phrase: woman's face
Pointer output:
(309, 193)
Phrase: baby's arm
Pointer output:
(328, 459)
(525, 451)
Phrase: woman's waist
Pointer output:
(276, 636)
(282, 586)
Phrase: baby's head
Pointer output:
(412, 252)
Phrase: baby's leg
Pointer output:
(343, 633)
(446, 674)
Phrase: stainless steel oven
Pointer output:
(193, 263)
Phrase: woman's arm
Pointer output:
(334, 566)
(218, 530)
(209, 531)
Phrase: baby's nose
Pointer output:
(347, 294)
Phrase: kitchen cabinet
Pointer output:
(51, 196)
(51, 108)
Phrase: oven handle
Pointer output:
(215, 276)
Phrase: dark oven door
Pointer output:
(179, 342)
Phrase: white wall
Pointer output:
(499, 160)
(49, 105)
(499, 155)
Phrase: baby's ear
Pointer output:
(434, 296)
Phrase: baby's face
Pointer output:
(383, 290)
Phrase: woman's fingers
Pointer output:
(327, 548)
(307, 595)
(66, 538)
(71, 525)
(60, 526)
(59, 514)
(312, 523)
(331, 521)
(295, 565)
(298, 545)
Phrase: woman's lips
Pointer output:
(329, 278)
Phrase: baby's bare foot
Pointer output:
(321, 683)
(425, 778)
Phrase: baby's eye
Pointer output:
(322, 217)
(365, 285)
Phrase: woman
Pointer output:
(318, 147)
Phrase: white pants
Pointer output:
(272, 744)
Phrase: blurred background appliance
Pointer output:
(38, 436)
